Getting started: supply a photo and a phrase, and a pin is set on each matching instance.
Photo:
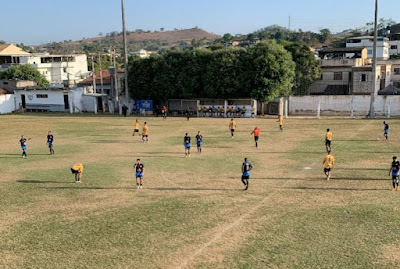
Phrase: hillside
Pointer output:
(154, 41)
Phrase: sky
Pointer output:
(38, 22)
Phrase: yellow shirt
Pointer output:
(280, 120)
(329, 136)
(145, 130)
(198, 107)
(328, 161)
(78, 167)
(137, 126)
(232, 125)
(253, 109)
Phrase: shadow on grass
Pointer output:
(35, 181)
(80, 187)
(190, 189)
(333, 189)
(361, 169)
(321, 178)
(29, 154)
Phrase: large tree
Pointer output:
(25, 72)
(270, 71)
(308, 68)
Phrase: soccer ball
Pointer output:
(377, 138)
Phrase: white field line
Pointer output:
(241, 218)
(216, 237)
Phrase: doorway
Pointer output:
(66, 102)
(99, 104)
(23, 101)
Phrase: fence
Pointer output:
(344, 105)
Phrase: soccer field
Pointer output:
(193, 212)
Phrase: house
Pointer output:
(383, 45)
(66, 69)
(10, 55)
(343, 76)
(143, 53)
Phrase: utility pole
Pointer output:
(373, 80)
(101, 83)
(94, 76)
(125, 55)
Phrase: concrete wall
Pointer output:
(342, 105)
(54, 100)
(7, 103)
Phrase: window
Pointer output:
(396, 71)
(41, 96)
(363, 77)
(393, 47)
(337, 76)
(65, 70)
(369, 52)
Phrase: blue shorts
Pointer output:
(50, 144)
(139, 174)
(23, 147)
(386, 131)
(187, 145)
(246, 174)
(199, 143)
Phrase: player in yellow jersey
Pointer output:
(145, 133)
(280, 120)
(77, 170)
(328, 164)
(253, 111)
(232, 127)
(136, 130)
(328, 140)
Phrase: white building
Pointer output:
(382, 49)
(394, 47)
(143, 53)
(59, 69)
(66, 69)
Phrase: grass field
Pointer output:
(193, 212)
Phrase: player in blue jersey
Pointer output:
(186, 143)
(50, 139)
(22, 142)
(199, 142)
(139, 170)
(246, 167)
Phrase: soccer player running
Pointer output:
(256, 133)
(328, 140)
(246, 167)
(50, 139)
(232, 127)
(280, 120)
(164, 112)
(394, 170)
(77, 170)
(199, 142)
(22, 142)
(145, 133)
(136, 130)
(328, 164)
(386, 130)
(186, 143)
(139, 168)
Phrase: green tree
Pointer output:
(325, 34)
(308, 68)
(25, 72)
(270, 71)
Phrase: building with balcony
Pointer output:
(382, 50)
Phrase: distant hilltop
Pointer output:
(138, 39)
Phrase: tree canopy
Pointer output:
(25, 72)
(262, 72)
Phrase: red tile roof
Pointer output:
(106, 77)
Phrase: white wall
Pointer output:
(7, 104)
(342, 104)
(75, 99)
(54, 100)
